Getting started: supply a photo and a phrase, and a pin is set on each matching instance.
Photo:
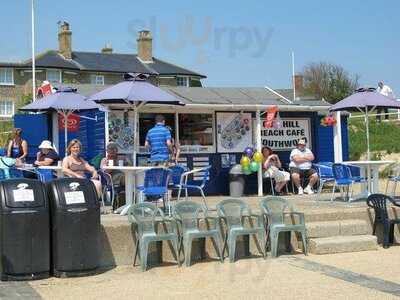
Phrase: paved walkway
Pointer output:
(363, 275)
(17, 290)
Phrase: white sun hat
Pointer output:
(46, 145)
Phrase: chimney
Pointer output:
(107, 49)
(64, 40)
(145, 46)
(298, 83)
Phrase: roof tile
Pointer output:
(104, 62)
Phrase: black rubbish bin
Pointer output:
(75, 227)
(236, 181)
(24, 230)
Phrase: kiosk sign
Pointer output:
(285, 138)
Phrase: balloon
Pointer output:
(245, 161)
(277, 124)
(246, 170)
(249, 151)
(258, 157)
(330, 120)
(254, 166)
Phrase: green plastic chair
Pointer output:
(234, 212)
(188, 215)
(146, 217)
(274, 208)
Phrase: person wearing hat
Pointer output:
(17, 147)
(46, 156)
(301, 167)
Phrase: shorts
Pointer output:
(159, 163)
(302, 173)
(278, 175)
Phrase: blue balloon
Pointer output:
(249, 151)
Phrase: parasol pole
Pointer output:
(258, 146)
(33, 51)
(368, 150)
(337, 139)
(135, 115)
(65, 132)
(135, 127)
(367, 129)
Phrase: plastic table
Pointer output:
(370, 170)
(130, 183)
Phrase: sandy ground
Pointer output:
(253, 278)
(362, 275)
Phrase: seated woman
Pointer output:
(46, 156)
(117, 176)
(73, 165)
(271, 166)
(17, 147)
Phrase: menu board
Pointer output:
(234, 132)
(120, 130)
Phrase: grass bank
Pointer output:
(5, 135)
(384, 137)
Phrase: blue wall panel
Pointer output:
(84, 133)
(99, 135)
(61, 139)
(91, 135)
(325, 151)
(345, 139)
(35, 129)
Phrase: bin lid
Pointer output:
(24, 193)
(72, 192)
(236, 170)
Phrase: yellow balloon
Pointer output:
(245, 161)
(258, 157)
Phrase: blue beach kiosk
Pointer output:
(204, 128)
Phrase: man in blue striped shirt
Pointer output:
(158, 141)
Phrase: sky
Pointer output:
(233, 43)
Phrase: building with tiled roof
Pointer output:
(66, 66)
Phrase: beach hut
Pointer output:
(205, 128)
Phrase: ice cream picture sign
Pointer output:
(285, 137)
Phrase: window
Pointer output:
(6, 108)
(147, 121)
(196, 132)
(182, 81)
(6, 76)
(53, 76)
(97, 79)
